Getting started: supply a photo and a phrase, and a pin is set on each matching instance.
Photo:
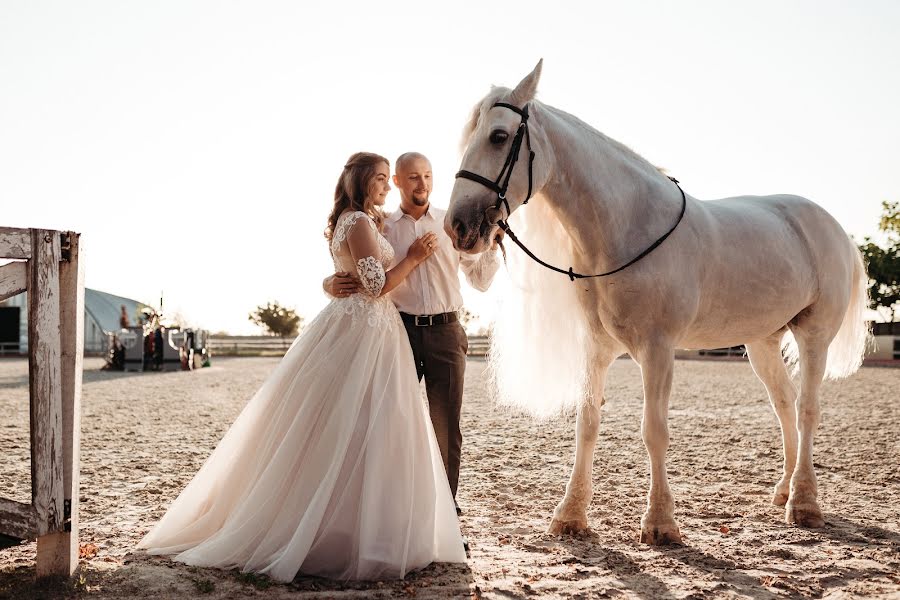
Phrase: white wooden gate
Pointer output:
(51, 272)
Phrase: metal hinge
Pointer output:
(67, 515)
(65, 245)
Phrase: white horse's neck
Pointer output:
(594, 179)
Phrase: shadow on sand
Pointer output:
(139, 577)
(722, 575)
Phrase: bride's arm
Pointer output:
(363, 241)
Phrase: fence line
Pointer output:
(238, 345)
(887, 347)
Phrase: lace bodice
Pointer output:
(358, 247)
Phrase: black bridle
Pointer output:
(507, 170)
(506, 174)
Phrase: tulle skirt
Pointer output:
(331, 469)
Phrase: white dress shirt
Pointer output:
(433, 287)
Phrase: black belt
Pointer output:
(427, 320)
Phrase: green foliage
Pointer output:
(276, 319)
(890, 218)
(883, 262)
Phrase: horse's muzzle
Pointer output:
(464, 237)
(469, 222)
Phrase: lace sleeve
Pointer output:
(362, 238)
(371, 274)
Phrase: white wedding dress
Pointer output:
(332, 468)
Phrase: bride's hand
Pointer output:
(423, 247)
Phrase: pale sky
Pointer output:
(196, 145)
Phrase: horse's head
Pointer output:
(497, 139)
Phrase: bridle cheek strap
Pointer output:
(509, 164)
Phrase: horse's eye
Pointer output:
(498, 136)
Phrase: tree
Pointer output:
(883, 263)
(277, 319)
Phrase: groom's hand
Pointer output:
(341, 284)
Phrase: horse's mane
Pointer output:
(496, 93)
(622, 148)
(538, 360)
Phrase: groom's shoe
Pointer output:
(458, 509)
(466, 548)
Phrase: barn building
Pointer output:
(101, 315)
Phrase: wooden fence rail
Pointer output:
(51, 271)
(248, 345)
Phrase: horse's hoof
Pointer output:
(781, 493)
(804, 515)
(661, 535)
(574, 527)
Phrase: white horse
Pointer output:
(759, 271)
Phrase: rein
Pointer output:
(506, 174)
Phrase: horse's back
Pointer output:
(783, 222)
(765, 258)
(770, 212)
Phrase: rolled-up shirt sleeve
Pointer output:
(480, 269)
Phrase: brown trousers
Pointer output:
(440, 355)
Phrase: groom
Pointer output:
(428, 301)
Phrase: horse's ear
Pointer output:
(527, 88)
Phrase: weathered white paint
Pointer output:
(57, 553)
(17, 519)
(56, 335)
(13, 279)
(45, 380)
(15, 243)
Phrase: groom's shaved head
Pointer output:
(413, 179)
(407, 158)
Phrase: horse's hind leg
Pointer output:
(768, 364)
(570, 515)
(802, 507)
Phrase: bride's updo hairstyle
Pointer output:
(352, 190)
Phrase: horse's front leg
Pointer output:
(658, 524)
(570, 515)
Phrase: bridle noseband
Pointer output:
(506, 174)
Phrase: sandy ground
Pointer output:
(145, 435)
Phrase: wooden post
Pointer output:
(44, 380)
(57, 553)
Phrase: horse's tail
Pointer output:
(845, 354)
(847, 349)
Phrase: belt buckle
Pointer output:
(427, 320)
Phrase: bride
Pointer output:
(332, 468)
